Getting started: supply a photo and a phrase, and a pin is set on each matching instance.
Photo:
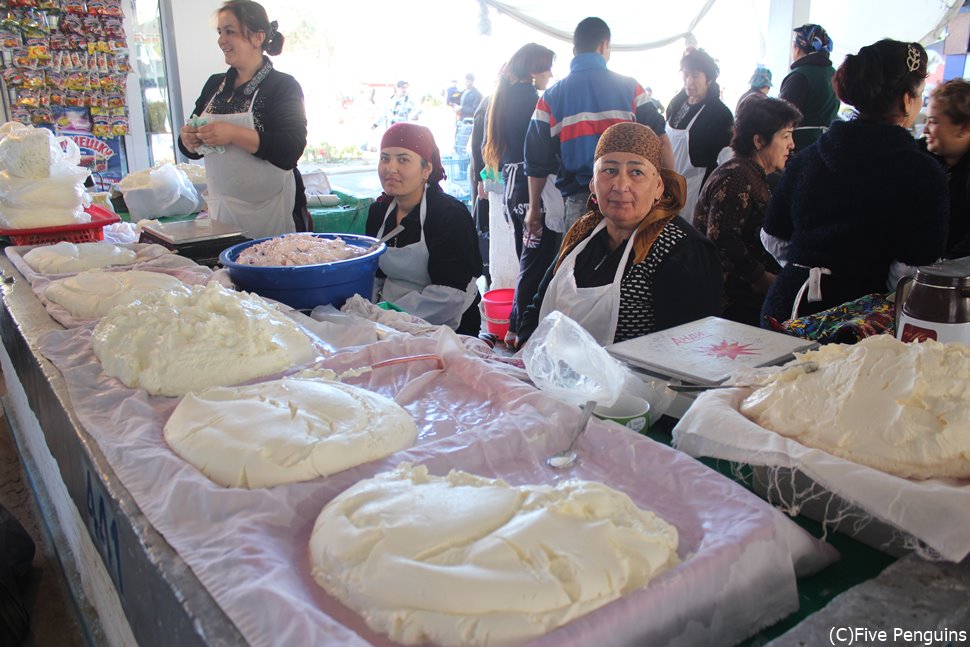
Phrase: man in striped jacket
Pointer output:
(572, 114)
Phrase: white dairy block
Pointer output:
(70, 257)
(903, 408)
(172, 343)
(285, 431)
(93, 293)
(467, 560)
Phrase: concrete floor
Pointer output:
(53, 614)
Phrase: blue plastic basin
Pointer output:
(306, 286)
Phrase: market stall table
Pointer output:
(138, 500)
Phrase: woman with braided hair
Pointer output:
(249, 124)
(863, 201)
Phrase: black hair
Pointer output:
(590, 32)
(762, 117)
(530, 59)
(697, 60)
(253, 19)
(875, 80)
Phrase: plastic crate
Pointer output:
(88, 232)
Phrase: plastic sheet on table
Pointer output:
(249, 547)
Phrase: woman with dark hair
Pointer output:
(509, 114)
(948, 139)
(429, 268)
(732, 204)
(249, 124)
(809, 84)
(698, 124)
(863, 197)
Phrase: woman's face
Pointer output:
(943, 137)
(402, 173)
(695, 84)
(626, 187)
(239, 51)
(774, 156)
(541, 79)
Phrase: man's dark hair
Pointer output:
(590, 32)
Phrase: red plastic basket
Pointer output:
(87, 232)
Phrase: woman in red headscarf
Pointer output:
(430, 268)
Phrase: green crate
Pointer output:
(348, 217)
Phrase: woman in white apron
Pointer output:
(631, 265)
(250, 126)
(430, 268)
(698, 124)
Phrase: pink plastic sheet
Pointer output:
(249, 548)
(150, 258)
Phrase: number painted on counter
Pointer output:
(104, 529)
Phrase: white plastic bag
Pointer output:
(565, 361)
(63, 190)
(159, 192)
(36, 153)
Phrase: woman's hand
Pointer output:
(533, 220)
(190, 137)
(217, 133)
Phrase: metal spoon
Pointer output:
(567, 457)
(809, 367)
(386, 237)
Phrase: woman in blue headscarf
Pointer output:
(809, 84)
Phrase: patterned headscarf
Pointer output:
(418, 139)
(631, 137)
(812, 38)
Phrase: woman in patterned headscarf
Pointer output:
(809, 84)
(631, 265)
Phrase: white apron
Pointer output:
(595, 309)
(245, 191)
(680, 143)
(409, 286)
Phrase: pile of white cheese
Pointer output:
(903, 408)
(173, 342)
(469, 560)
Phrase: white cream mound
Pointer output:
(298, 249)
(171, 343)
(466, 560)
(70, 257)
(285, 431)
(92, 294)
(897, 407)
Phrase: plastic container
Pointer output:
(87, 232)
(306, 286)
(498, 308)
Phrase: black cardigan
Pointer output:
(710, 133)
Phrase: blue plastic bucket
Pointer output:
(306, 286)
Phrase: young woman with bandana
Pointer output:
(430, 268)
(863, 201)
(631, 265)
(809, 84)
(250, 125)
